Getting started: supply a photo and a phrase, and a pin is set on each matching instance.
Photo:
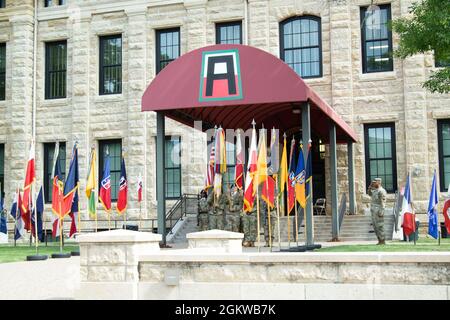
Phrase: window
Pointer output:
(2, 3)
(167, 47)
(229, 33)
(440, 62)
(376, 39)
(114, 148)
(173, 167)
(444, 153)
(2, 169)
(301, 45)
(379, 140)
(49, 153)
(55, 69)
(111, 64)
(49, 3)
(2, 71)
(231, 161)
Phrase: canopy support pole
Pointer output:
(160, 183)
(334, 187)
(306, 137)
(351, 178)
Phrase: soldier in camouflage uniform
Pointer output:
(217, 211)
(233, 217)
(377, 205)
(203, 208)
(249, 227)
(264, 215)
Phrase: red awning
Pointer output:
(271, 91)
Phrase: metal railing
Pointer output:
(342, 209)
(179, 210)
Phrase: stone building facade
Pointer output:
(87, 117)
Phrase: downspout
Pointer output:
(246, 22)
(34, 69)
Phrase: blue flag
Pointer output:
(432, 213)
(71, 185)
(3, 226)
(16, 213)
(39, 213)
(308, 188)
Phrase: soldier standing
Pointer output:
(233, 217)
(217, 210)
(249, 227)
(377, 205)
(203, 211)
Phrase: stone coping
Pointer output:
(120, 236)
(215, 234)
(186, 255)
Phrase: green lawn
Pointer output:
(422, 245)
(9, 253)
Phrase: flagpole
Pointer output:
(278, 213)
(60, 220)
(140, 215)
(296, 221)
(268, 215)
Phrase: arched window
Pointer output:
(301, 45)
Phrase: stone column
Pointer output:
(109, 263)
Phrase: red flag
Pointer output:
(122, 198)
(291, 179)
(30, 177)
(25, 218)
(446, 213)
(409, 224)
(250, 191)
(268, 192)
(239, 168)
(139, 190)
(73, 224)
(105, 186)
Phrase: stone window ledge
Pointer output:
(53, 102)
(109, 98)
(323, 80)
(378, 76)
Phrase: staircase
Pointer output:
(187, 225)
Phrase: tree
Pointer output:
(427, 29)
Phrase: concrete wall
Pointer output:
(86, 117)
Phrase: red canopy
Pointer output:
(271, 94)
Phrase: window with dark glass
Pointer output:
(440, 62)
(49, 3)
(2, 3)
(2, 71)
(167, 47)
(111, 64)
(114, 148)
(444, 153)
(376, 39)
(379, 140)
(55, 69)
(229, 33)
(301, 45)
(2, 168)
(173, 167)
(49, 153)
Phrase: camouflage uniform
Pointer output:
(203, 214)
(233, 217)
(249, 225)
(377, 205)
(216, 215)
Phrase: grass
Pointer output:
(422, 245)
(9, 253)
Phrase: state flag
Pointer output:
(122, 198)
(407, 213)
(250, 191)
(105, 186)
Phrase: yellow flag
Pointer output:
(262, 158)
(90, 184)
(283, 169)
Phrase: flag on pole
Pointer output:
(283, 169)
(220, 160)
(262, 158)
(239, 167)
(209, 181)
(3, 220)
(139, 188)
(91, 186)
(291, 178)
(30, 178)
(74, 216)
(274, 161)
(39, 213)
(105, 186)
(308, 186)
(446, 211)
(58, 185)
(122, 198)
(432, 210)
(300, 179)
(268, 192)
(250, 191)
(55, 226)
(16, 213)
(407, 213)
(71, 185)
